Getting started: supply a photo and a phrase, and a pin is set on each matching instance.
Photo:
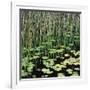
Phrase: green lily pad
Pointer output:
(57, 67)
(77, 54)
(77, 63)
(47, 71)
(70, 71)
(75, 74)
(48, 63)
(64, 62)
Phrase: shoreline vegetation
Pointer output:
(49, 44)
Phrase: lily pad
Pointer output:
(75, 74)
(47, 71)
(57, 67)
(48, 63)
(77, 54)
(70, 71)
(77, 63)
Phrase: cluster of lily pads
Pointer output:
(43, 62)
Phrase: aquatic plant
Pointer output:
(49, 44)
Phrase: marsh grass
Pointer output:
(49, 44)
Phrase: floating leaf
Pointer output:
(57, 67)
(70, 71)
(47, 71)
(75, 74)
(48, 63)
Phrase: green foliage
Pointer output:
(50, 44)
(70, 71)
(23, 73)
(46, 71)
(44, 57)
(57, 67)
(30, 67)
(24, 62)
(48, 63)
